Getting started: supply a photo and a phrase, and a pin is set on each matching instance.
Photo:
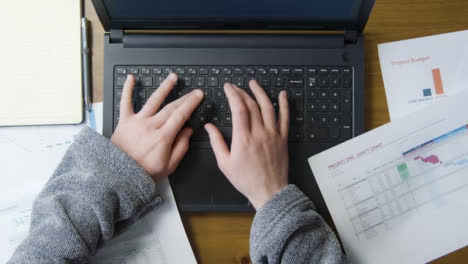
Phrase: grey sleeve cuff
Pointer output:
(125, 168)
(288, 230)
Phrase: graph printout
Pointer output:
(418, 72)
(399, 193)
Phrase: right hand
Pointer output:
(257, 164)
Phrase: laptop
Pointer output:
(321, 67)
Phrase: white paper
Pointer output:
(408, 65)
(159, 237)
(41, 62)
(29, 156)
(398, 194)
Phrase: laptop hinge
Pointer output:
(116, 35)
(350, 36)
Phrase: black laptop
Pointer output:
(322, 69)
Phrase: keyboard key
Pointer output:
(262, 71)
(296, 134)
(180, 71)
(334, 107)
(221, 106)
(208, 106)
(312, 106)
(225, 79)
(212, 81)
(296, 82)
(346, 71)
(346, 132)
(298, 71)
(218, 94)
(335, 94)
(147, 81)
(311, 71)
(323, 83)
(157, 71)
(239, 81)
(285, 71)
(192, 70)
(335, 82)
(199, 81)
(203, 71)
(238, 71)
(312, 82)
(185, 81)
(250, 71)
(334, 132)
(168, 70)
(215, 119)
(323, 71)
(227, 71)
(215, 71)
(334, 71)
(274, 71)
(323, 94)
(347, 83)
(134, 70)
(335, 119)
(312, 119)
(265, 81)
(140, 94)
(272, 93)
(323, 119)
(159, 80)
(278, 82)
(207, 93)
(145, 70)
(346, 120)
(120, 80)
(323, 106)
(121, 70)
(314, 133)
(311, 94)
(226, 119)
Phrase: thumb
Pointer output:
(219, 146)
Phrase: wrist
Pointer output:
(263, 196)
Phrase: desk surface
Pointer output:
(224, 238)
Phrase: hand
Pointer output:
(257, 164)
(158, 142)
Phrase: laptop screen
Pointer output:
(288, 10)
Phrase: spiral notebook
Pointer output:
(40, 63)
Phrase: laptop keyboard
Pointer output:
(320, 98)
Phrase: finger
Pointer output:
(266, 108)
(157, 98)
(239, 111)
(126, 106)
(180, 147)
(160, 118)
(219, 146)
(283, 118)
(179, 117)
(254, 112)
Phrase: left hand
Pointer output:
(156, 140)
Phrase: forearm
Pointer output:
(288, 230)
(96, 190)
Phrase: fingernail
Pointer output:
(227, 85)
(172, 76)
(199, 93)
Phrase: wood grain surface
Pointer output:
(224, 237)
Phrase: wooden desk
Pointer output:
(224, 238)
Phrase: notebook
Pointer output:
(40, 63)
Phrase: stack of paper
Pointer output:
(399, 193)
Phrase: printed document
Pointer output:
(418, 72)
(399, 193)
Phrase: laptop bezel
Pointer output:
(108, 23)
